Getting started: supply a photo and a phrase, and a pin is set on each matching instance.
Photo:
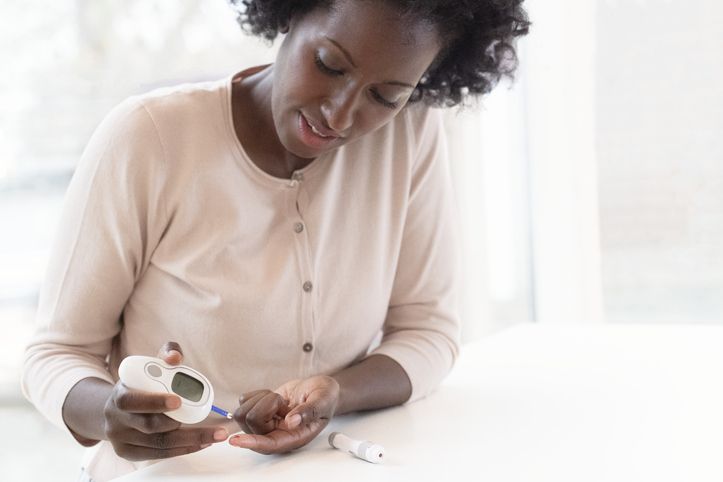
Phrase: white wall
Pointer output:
(659, 105)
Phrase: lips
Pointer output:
(313, 134)
(320, 131)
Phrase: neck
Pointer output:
(254, 125)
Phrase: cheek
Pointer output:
(370, 119)
(300, 82)
(378, 115)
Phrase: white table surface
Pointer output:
(534, 403)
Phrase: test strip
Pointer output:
(221, 412)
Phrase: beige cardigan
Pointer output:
(170, 232)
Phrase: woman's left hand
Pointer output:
(287, 418)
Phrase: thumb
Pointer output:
(171, 353)
(313, 410)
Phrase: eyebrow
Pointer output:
(351, 61)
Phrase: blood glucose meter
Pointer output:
(154, 375)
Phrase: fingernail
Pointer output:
(220, 434)
(233, 440)
(205, 446)
(173, 402)
(294, 420)
(174, 353)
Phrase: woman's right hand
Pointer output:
(139, 430)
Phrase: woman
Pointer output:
(272, 224)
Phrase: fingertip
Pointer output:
(293, 421)
(171, 352)
(173, 357)
(173, 402)
(241, 442)
(238, 415)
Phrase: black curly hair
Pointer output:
(478, 40)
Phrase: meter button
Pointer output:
(154, 370)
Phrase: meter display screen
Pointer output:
(187, 387)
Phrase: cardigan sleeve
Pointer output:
(421, 329)
(111, 220)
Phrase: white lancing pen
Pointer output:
(362, 449)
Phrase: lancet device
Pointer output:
(154, 375)
(362, 449)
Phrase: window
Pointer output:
(76, 61)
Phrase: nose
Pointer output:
(339, 110)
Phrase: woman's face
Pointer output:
(344, 72)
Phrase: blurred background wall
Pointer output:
(590, 190)
(659, 116)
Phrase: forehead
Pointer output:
(375, 33)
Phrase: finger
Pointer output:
(278, 441)
(182, 437)
(150, 423)
(247, 402)
(134, 452)
(263, 444)
(171, 353)
(249, 395)
(136, 401)
(250, 398)
(245, 397)
(319, 405)
(267, 413)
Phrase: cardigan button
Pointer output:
(308, 347)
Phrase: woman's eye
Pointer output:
(383, 101)
(324, 68)
(333, 72)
